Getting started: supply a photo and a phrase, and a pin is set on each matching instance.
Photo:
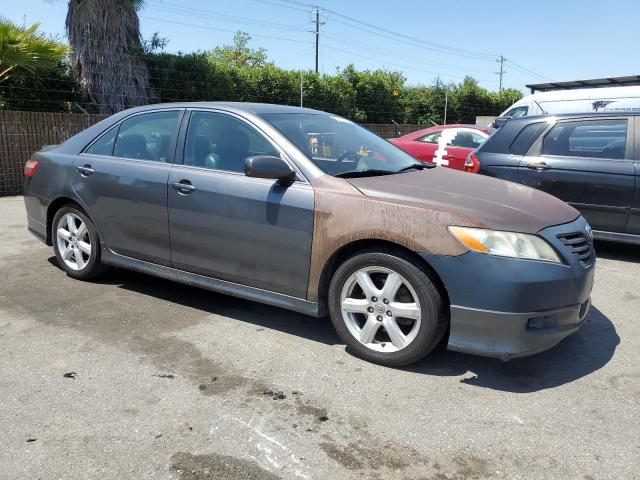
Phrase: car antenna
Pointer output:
(541, 109)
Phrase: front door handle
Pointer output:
(539, 166)
(85, 170)
(184, 186)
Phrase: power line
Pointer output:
(403, 38)
(224, 30)
(221, 17)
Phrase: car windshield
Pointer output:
(340, 147)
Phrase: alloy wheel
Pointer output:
(73, 241)
(381, 309)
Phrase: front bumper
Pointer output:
(506, 307)
(509, 335)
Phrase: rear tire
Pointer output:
(76, 243)
(386, 309)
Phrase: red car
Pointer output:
(446, 145)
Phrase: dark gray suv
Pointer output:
(591, 161)
(308, 211)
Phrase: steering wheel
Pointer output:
(344, 155)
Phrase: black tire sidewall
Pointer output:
(432, 322)
(93, 267)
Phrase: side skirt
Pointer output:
(616, 237)
(213, 284)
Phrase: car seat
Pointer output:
(132, 146)
(232, 150)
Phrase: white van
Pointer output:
(584, 100)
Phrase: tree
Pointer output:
(239, 54)
(26, 50)
(107, 53)
(155, 43)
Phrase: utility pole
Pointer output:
(501, 61)
(317, 35)
(301, 79)
(446, 105)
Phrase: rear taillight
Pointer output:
(30, 168)
(471, 164)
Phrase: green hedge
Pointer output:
(377, 96)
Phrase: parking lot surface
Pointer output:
(137, 377)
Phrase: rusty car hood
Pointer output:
(495, 203)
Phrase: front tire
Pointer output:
(76, 243)
(386, 309)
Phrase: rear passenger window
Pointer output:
(466, 139)
(588, 138)
(147, 136)
(104, 144)
(526, 137)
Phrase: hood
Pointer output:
(497, 204)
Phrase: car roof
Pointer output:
(537, 118)
(256, 108)
(439, 128)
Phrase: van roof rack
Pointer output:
(629, 81)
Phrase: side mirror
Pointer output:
(499, 122)
(265, 166)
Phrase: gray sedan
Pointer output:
(308, 211)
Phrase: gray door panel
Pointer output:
(246, 230)
(600, 189)
(634, 215)
(128, 199)
(598, 179)
(633, 226)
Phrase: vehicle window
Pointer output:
(147, 136)
(222, 142)
(588, 138)
(517, 112)
(104, 144)
(467, 139)
(339, 146)
(431, 138)
(526, 137)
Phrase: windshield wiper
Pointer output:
(417, 166)
(372, 172)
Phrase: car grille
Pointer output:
(580, 245)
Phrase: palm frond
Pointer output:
(26, 49)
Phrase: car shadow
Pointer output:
(617, 251)
(575, 357)
(261, 315)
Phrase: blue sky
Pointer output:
(556, 40)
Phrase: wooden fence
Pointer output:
(23, 133)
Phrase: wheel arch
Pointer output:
(53, 207)
(352, 248)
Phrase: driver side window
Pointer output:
(222, 142)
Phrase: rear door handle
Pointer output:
(538, 166)
(184, 186)
(85, 170)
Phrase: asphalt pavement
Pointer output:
(136, 377)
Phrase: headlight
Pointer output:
(505, 244)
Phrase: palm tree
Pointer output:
(24, 49)
(106, 53)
